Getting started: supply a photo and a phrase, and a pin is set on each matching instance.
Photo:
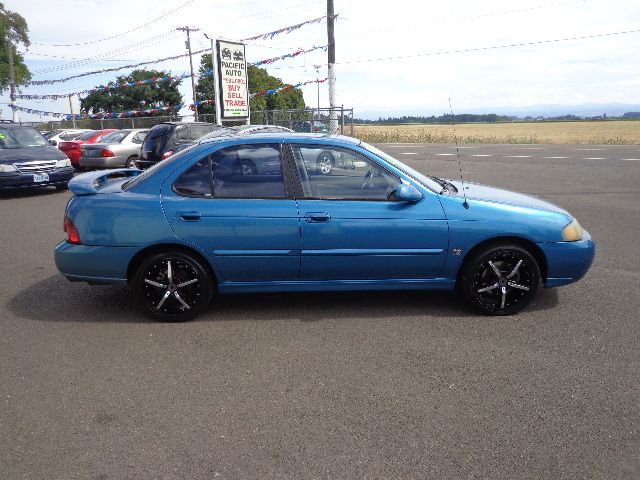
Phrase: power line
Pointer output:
(115, 36)
(494, 47)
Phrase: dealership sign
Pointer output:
(233, 97)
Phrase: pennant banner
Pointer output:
(138, 113)
(263, 36)
(104, 88)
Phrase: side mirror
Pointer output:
(53, 142)
(405, 193)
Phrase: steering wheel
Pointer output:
(367, 180)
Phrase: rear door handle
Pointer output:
(317, 217)
(190, 216)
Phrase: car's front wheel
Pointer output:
(500, 279)
(173, 286)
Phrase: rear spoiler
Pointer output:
(90, 183)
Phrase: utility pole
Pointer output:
(12, 76)
(73, 117)
(331, 53)
(193, 77)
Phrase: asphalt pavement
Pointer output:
(396, 385)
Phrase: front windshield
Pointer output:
(115, 137)
(21, 137)
(424, 180)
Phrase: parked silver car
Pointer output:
(117, 149)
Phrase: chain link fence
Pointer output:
(318, 120)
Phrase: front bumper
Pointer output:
(94, 264)
(59, 176)
(568, 262)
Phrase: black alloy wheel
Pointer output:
(174, 286)
(500, 279)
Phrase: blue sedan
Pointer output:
(201, 222)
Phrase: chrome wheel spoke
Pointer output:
(188, 282)
(515, 269)
(155, 284)
(495, 269)
(184, 304)
(504, 296)
(489, 288)
(520, 287)
(164, 299)
(169, 273)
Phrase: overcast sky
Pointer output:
(370, 36)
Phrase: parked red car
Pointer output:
(73, 148)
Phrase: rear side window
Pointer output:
(246, 171)
(87, 135)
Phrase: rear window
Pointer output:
(156, 136)
(116, 137)
(87, 135)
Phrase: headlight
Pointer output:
(7, 168)
(63, 163)
(572, 232)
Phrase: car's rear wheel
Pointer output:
(324, 163)
(173, 286)
(131, 162)
(500, 279)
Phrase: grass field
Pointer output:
(596, 133)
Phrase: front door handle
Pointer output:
(317, 217)
(190, 216)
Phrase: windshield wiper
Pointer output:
(447, 187)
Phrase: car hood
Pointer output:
(484, 193)
(29, 154)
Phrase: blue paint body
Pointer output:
(303, 244)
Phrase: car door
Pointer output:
(244, 219)
(352, 231)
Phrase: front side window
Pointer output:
(333, 173)
(245, 171)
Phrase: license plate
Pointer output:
(40, 177)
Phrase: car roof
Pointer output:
(286, 136)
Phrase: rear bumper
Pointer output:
(59, 176)
(103, 162)
(144, 164)
(94, 264)
(568, 261)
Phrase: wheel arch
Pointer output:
(530, 246)
(139, 257)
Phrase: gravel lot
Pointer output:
(345, 385)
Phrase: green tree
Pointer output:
(142, 97)
(14, 31)
(259, 80)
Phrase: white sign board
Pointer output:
(233, 100)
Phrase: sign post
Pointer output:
(232, 94)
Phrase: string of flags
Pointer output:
(103, 88)
(139, 113)
(107, 88)
(262, 36)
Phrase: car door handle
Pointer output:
(190, 216)
(317, 217)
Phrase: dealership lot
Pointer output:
(345, 385)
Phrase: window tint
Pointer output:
(140, 136)
(116, 137)
(156, 136)
(335, 173)
(248, 171)
(195, 181)
(87, 135)
(197, 131)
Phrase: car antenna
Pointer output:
(465, 204)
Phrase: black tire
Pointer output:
(131, 162)
(153, 284)
(504, 294)
(62, 187)
(325, 163)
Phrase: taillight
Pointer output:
(70, 229)
(167, 154)
(73, 146)
(106, 153)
